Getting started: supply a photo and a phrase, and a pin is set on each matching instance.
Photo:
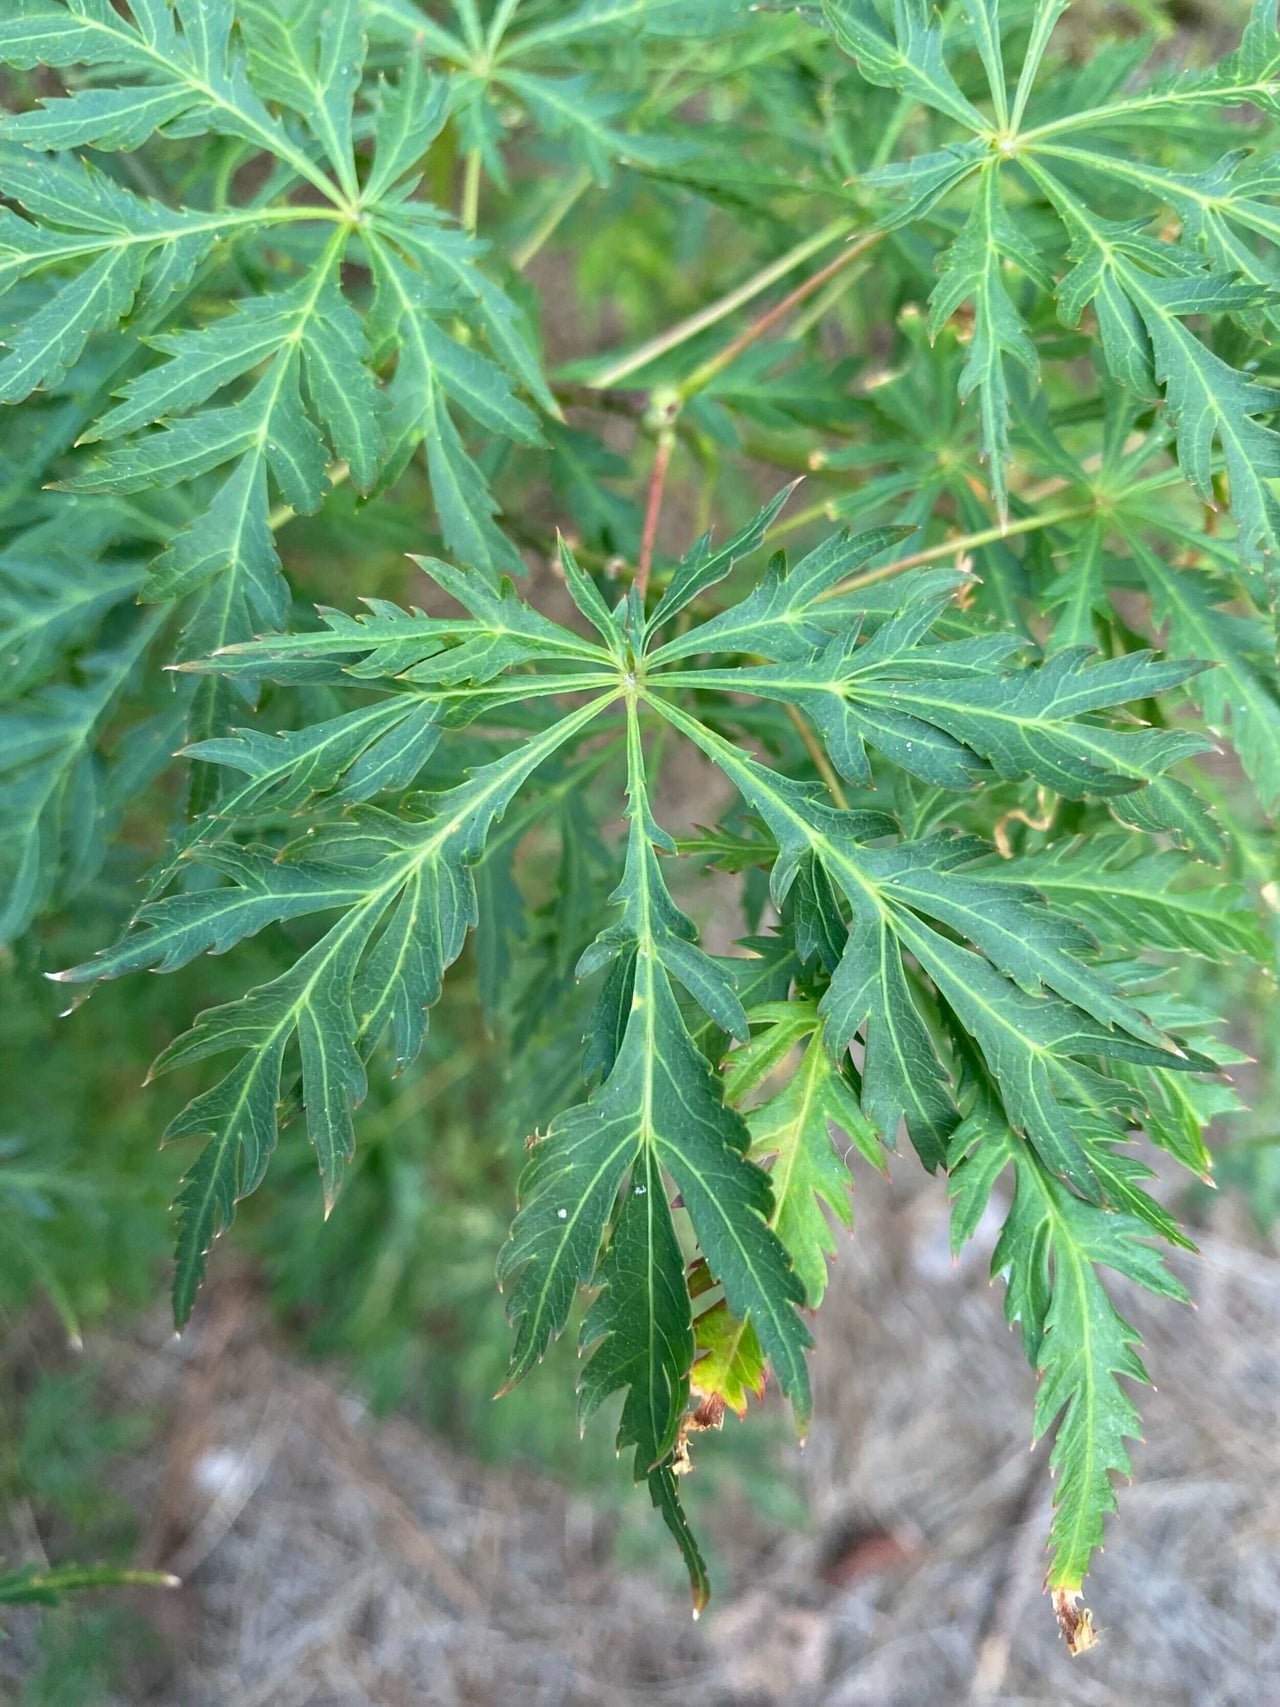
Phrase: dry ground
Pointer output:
(336, 1561)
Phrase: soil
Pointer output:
(330, 1559)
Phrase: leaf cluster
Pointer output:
(284, 294)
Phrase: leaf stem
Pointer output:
(653, 509)
(564, 204)
(336, 473)
(702, 376)
(817, 752)
(960, 543)
(470, 211)
(716, 311)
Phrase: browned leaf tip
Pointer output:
(1075, 1621)
(708, 1413)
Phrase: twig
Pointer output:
(688, 328)
(653, 509)
(816, 751)
(703, 375)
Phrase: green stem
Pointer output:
(818, 753)
(470, 211)
(962, 543)
(336, 473)
(703, 375)
(560, 208)
(714, 312)
(653, 509)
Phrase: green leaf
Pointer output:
(793, 1131)
(1131, 897)
(408, 118)
(665, 1493)
(1032, 1044)
(57, 803)
(101, 118)
(409, 900)
(309, 55)
(198, 62)
(572, 107)
(973, 270)
(638, 1332)
(1247, 76)
(1050, 1250)
(786, 614)
(589, 600)
(984, 20)
(659, 1113)
(940, 711)
(702, 568)
(307, 329)
(908, 57)
(54, 337)
(427, 365)
(1146, 342)
(918, 184)
(1239, 696)
(53, 593)
(447, 258)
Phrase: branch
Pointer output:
(688, 328)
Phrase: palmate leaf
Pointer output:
(58, 799)
(133, 252)
(571, 107)
(906, 56)
(257, 406)
(1033, 1043)
(250, 408)
(1240, 696)
(934, 962)
(1246, 77)
(407, 881)
(790, 611)
(938, 709)
(308, 332)
(230, 286)
(54, 591)
(1142, 287)
(1146, 343)
(192, 73)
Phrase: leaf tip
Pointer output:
(1075, 1621)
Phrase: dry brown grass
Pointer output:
(331, 1559)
